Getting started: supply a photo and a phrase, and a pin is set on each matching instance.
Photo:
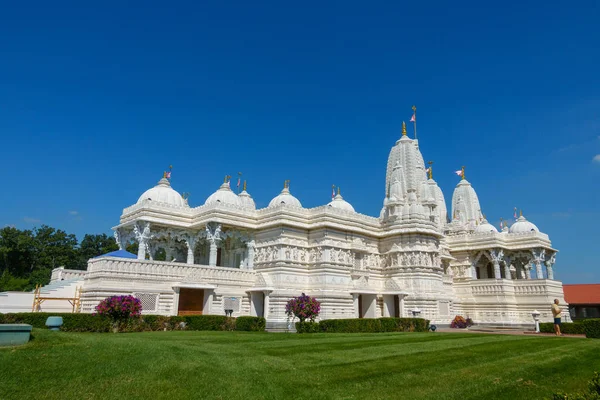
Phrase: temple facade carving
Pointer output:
(415, 258)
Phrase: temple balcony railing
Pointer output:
(167, 271)
(62, 274)
(515, 287)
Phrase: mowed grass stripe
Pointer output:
(273, 366)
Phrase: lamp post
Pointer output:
(536, 317)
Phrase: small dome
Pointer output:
(163, 193)
(485, 227)
(522, 226)
(339, 203)
(224, 196)
(285, 198)
(247, 200)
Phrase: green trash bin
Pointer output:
(14, 334)
(54, 323)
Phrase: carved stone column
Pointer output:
(119, 238)
(213, 235)
(190, 242)
(251, 245)
(507, 267)
(266, 304)
(538, 258)
(550, 266)
(473, 271)
(141, 230)
(496, 256)
(527, 271)
(168, 253)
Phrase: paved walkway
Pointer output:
(503, 331)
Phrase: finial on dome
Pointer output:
(520, 213)
(226, 179)
(403, 128)
(338, 190)
(286, 184)
(430, 169)
(413, 119)
(165, 174)
(462, 175)
(244, 186)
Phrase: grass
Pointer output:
(240, 365)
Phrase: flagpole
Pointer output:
(414, 108)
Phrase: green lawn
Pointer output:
(239, 365)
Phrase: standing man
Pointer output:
(556, 312)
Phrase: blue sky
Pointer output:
(95, 103)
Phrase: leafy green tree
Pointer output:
(95, 245)
(132, 248)
(16, 251)
(10, 283)
(54, 248)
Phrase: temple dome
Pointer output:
(406, 182)
(247, 200)
(485, 227)
(285, 198)
(339, 203)
(465, 203)
(163, 193)
(522, 226)
(224, 196)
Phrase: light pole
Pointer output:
(536, 317)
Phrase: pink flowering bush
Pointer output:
(303, 307)
(120, 308)
(461, 323)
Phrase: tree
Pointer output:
(93, 246)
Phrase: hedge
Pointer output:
(308, 327)
(80, 322)
(592, 328)
(252, 324)
(71, 322)
(569, 328)
(356, 325)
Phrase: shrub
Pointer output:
(119, 308)
(207, 322)
(253, 324)
(303, 307)
(461, 323)
(157, 323)
(592, 328)
(366, 325)
(567, 328)
(71, 322)
(308, 327)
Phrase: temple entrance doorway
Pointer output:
(191, 301)
(361, 314)
(397, 306)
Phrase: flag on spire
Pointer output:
(332, 192)
(168, 175)
(413, 119)
(515, 215)
(459, 172)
